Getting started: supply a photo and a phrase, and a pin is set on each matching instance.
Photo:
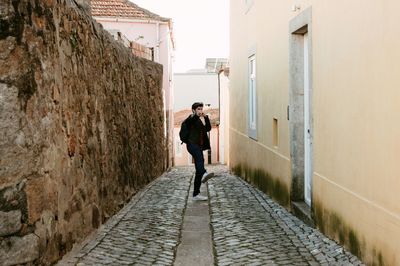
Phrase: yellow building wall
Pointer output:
(259, 159)
(356, 107)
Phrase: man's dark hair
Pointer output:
(197, 104)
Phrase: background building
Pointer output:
(195, 86)
(209, 86)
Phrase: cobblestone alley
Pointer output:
(247, 228)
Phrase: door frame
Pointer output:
(299, 26)
(307, 125)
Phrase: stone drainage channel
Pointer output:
(238, 225)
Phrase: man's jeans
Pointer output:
(197, 154)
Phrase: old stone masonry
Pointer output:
(161, 225)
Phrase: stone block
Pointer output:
(41, 195)
(18, 250)
(45, 229)
(10, 222)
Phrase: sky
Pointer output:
(201, 29)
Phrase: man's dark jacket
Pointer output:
(198, 131)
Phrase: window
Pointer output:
(275, 133)
(252, 98)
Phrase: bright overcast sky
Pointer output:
(201, 29)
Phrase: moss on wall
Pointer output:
(333, 225)
(328, 222)
(263, 180)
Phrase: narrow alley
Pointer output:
(247, 228)
(113, 113)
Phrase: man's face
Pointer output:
(199, 110)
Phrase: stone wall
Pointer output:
(81, 127)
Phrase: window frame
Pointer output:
(252, 96)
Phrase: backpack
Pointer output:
(184, 132)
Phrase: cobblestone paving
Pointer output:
(250, 229)
(146, 231)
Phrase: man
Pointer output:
(198, 124)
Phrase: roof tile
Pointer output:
(122, 9)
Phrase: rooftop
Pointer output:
(123, 9)
(216, 64)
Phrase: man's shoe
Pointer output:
(200, 198)
(206, 177)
